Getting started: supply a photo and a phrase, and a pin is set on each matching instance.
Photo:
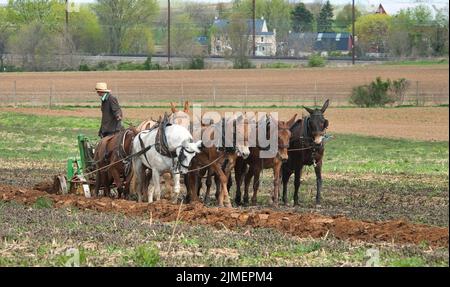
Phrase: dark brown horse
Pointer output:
(306, 148)
(219, 161)
(252, 166)
(114, 149)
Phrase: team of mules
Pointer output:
(138, 157)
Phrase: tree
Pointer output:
(201, 15)
(38, 34)
(344, 17)
(245, 8)
(5, 32)
(239, 41)
(325, 19)
(277, 14)
(38, 45)
(372, 32)
(184, 35)
(86, 32)
(302, 19)
(118, 17)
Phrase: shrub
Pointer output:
(103, 66)
(197, 63)
(278, 65)
(148, 65)
(84, 67)
(242, 63)
(130, 66)
(316, 61)
(399, 87)
(374, 94)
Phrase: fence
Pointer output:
(209, 94)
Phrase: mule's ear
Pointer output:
(325, 106)
(196, 146)
(173, 107)
(309, 110)
(291, 122)
(186, 107)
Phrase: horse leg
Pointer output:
(238, 175)
(139, 178)
(208, 183)
(107, 184)
(318, 170)
(156, 184)
(176, 181)
(247, 179)
(117, 181)
(223, 197)
(276, 183)
(256, 173)
(286, 174)
(218, 186)
(98, 183)
(298, 176)
(192, 187)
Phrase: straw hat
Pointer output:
(102, 87)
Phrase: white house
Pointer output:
(265, 41)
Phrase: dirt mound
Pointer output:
(302, 225)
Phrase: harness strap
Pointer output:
(144, 149)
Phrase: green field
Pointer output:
(365, 178)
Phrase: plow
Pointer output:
(78, 178)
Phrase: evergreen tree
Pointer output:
(302, 19)
(325, 19)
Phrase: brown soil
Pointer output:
(297, 224)
(343, 78)
(425, 123)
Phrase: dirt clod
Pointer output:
(297, 224)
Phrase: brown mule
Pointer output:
(219, 160)
(254, 164)
(114, 148)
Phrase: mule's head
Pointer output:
(186, 152)
(181, 118)
(284, 136)
(317, 123)
(242, 133)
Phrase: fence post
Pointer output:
(315, 93)
(246, 94)
(214, 93)
(15, 93)
(417, 93)
(50, 96)
(182, 93)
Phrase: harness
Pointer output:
(162, 147)
(222, 146)
(306, 140)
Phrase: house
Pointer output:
(303, 44)
(380, 10)
(265, 40)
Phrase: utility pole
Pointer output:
(67, 16)
(168, 33)
(254, 27)
(353, 32)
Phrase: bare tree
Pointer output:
(119, 16)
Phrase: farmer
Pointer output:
(111, 111)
